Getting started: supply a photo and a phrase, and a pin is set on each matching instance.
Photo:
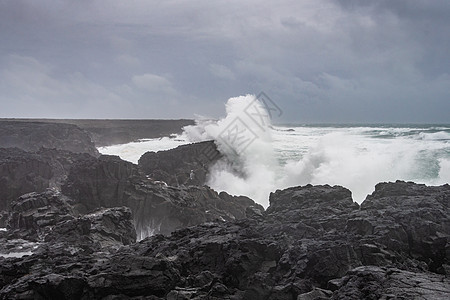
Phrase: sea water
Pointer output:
(268, 157)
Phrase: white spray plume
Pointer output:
(345, 157)
(244, 137)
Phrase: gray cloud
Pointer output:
(327, 61)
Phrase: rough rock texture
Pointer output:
(34, 215)
(23, 172)
(65, 247)
(174, 166)
(32, 136)
(372, 282)
(109, 181)
(51, 216)
(312, 243)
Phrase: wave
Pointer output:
(260, 157)
(355, 157)
(134, 150)
(244, 137)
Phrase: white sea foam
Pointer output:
(261, 158)
(15, 254)
(444, 171)
(133, 151)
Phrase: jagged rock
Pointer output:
(32, 136)
(23, 172)
(318, 245)
(34, 215)
(109, 181)
(101, 182)
(184, 165)
(60, 161)
(51, 217)
(416, 220)
(3, 218)
(371, 282)
(68, 248)
(20, 173)
(110, 227)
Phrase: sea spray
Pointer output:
(244, 137)
(354, 157)
(266, 157)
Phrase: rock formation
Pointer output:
(32, 136)
(186, 164)
(104, 132)
(23, 172)
(20, 173)
(69, 222)
(109, 181)
(313, 242)
(112, 132)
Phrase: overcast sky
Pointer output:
(320, 61)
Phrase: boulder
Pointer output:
(51, 217)
(184, 165)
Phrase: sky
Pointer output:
(343, 61)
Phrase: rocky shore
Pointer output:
(76, 225)
(110, 132)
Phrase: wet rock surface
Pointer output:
(69, 224)
(157, 208)
(23, 172)
(313, 242)
(184, 165)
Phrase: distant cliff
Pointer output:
(111, 132)
(32, 136)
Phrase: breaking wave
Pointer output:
(260, 158)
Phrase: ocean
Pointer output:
(262, 157)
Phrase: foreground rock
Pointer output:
(52, 217)
(32, 136)
(184, 165)
(370, 282)
(109, 181)
(312, 243)
(46, 236)
(23, 172)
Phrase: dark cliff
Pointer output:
(184, 165)
(109, 181)
(313, 242)
(32, 136)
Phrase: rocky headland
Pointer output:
(32, 136)
(76, 225)
(110, 132)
